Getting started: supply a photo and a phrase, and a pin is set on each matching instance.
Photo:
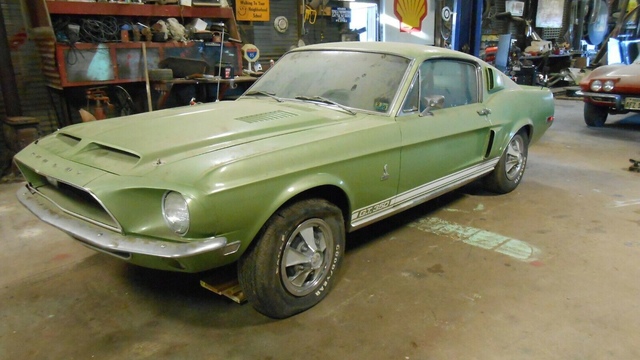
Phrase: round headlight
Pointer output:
(596, 85)
(608, 85)
(176, 212)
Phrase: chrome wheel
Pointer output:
(306, 257)
(510, 168)
(515, 158)
(296, 258)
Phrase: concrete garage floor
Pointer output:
(551, 273)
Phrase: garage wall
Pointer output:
(273, 44)
(517, 30)
(31, 86)
(26, 63)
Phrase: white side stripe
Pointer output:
(419, 194)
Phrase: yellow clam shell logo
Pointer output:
(410, 13)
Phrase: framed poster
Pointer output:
(550, 13)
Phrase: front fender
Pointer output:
(231, 208)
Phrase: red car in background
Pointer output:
(610, 89)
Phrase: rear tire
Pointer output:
(510, 169)
(595, 115)
(295, 260)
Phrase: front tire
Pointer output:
(295, 260)
(508, 173)
(595, 115)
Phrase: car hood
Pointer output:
(618, 70)
(135, 145)
(626, 75)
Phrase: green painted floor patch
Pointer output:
(519, 249)
(487, 240)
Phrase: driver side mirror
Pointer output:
(433, 102)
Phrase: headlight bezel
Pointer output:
(175, 211)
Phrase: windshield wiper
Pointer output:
(326, 101)
(265, 93)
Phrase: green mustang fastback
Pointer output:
(332, 138)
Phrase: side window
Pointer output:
(456, 80)
(411, 102)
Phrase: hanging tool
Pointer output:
(146, 76)
(220, 63)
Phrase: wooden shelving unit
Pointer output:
(133, 9)
(70, 69)
(67, 65)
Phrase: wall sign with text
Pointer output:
(341, 15)
(252, 10)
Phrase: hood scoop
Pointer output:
(268, 116)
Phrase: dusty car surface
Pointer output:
(610, 89)
(332, 138)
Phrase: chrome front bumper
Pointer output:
(124, 246)
(613, 100)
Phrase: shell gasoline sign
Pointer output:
(410, 13)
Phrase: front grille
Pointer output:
(77, 202)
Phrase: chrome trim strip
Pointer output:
(117, 228)
(595, 94)
(113, 243)
(426, 192)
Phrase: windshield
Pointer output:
(367, 81)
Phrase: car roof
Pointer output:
(417, 51)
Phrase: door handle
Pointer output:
(484, 112)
